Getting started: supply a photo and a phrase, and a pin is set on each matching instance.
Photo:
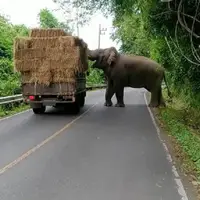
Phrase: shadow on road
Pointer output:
(67, 111)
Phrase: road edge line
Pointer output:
(41, 144)
(177, 179)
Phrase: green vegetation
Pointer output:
(10, 82)
(95, 76)
(182, 123)
(12, 109)
(48, 20)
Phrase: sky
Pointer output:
(26, 12)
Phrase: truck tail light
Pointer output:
(31, 98)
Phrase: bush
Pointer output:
(95, 76)
(11, 86)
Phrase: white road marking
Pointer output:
(35, 148)
(177, 180)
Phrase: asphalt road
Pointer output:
(101, 154)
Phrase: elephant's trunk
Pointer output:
(91, 55)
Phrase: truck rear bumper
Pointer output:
(53, 100)
(38, 104)
(48, 101)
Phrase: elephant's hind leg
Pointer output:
(162, 101)
(157, 98)
(154, 102)
(120, 98)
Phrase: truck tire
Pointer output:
(39, 110)
(76, 107)
(82, 101)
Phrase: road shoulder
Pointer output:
(174, 149)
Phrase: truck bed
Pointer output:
(53, 89)
(61, 89)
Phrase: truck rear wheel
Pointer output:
(82, 101)
(75, 107)
(39, 110)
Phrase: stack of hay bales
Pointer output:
(49, 56)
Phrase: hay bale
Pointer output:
(27, 59)
(64, 65)
(42, 75)
(50, 60)
(27, 54)
(22, 43)
(53, 32)
(53, 42)
(64, 58)
(26, 77)
(42, 42)
(83, 53)
(68, 41)
(63, 54)
(63, 76)
(27, 65)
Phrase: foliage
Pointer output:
(10, 82)
(165, 21)
(48, 20)
(95, 76)
(183, 135)
(5, 68)
(131, 32)
(13, 109)
(183, 125)
(7, 33)
(83, 9)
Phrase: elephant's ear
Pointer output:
(112, 56)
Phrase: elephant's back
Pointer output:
(141, 62)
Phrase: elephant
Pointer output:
(133, 71)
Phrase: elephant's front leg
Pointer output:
(120, 97)
(109, 94)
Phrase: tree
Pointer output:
(77, 11)
(48, 20)
(8, 32)
(9, 82)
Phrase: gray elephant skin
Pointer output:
(129, 71)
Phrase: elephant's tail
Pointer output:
(168, 91)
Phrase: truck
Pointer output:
(70, 95)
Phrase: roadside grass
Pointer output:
(11, 109)
(181, 122)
